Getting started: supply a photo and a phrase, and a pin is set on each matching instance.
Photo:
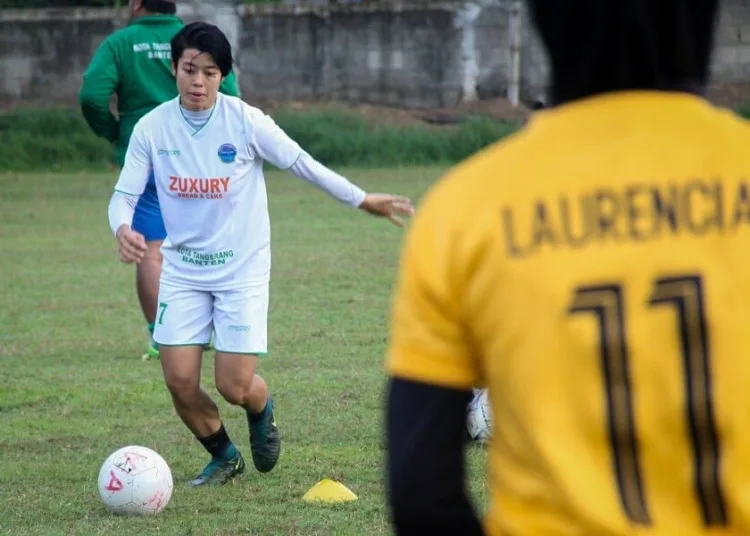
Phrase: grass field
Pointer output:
(74, 388)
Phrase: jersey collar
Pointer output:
(156, 19)
(617, 110)
(188, 128)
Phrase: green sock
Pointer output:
(151, 331)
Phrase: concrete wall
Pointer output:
(415, 53)
(43, 53)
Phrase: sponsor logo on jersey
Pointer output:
(227, 153)
(199, 188)
(168, 152)
(197, 258)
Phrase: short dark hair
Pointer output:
(206, 38)
(160, 6)
(598, 46)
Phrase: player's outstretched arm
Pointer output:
(273, 145)
(393, 207)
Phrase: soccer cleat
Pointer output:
(153, 349)
(265, 440)
(218, 472)
(151, 353)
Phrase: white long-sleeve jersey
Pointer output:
(212, 190)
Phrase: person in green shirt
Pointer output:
(134, 63)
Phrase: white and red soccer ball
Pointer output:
(135, 480)
(479, 417)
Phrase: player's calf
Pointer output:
(240, 386)
(181, 368)
(241, 336)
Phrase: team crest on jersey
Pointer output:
(227, 153)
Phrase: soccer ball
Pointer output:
(479, 417)
(135, 480)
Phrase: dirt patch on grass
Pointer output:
(499, 109)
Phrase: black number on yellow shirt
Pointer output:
(685, 294)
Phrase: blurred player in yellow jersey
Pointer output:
(593, 271)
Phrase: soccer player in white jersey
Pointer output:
(207, 151)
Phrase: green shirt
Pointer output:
(135, 63)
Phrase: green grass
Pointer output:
(58, 139)
(74, 388)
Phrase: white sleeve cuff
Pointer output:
(121, 210)
(338, 187)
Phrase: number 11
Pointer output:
(685, 294)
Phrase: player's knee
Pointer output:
(182, 387)
(236, 391)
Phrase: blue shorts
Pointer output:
(147, 219)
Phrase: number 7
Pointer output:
(685, 294)
(162, 309)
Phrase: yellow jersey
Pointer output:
(593, 271)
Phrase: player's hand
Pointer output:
(132, 244)
(388, 206)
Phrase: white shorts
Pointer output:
(239, 318)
